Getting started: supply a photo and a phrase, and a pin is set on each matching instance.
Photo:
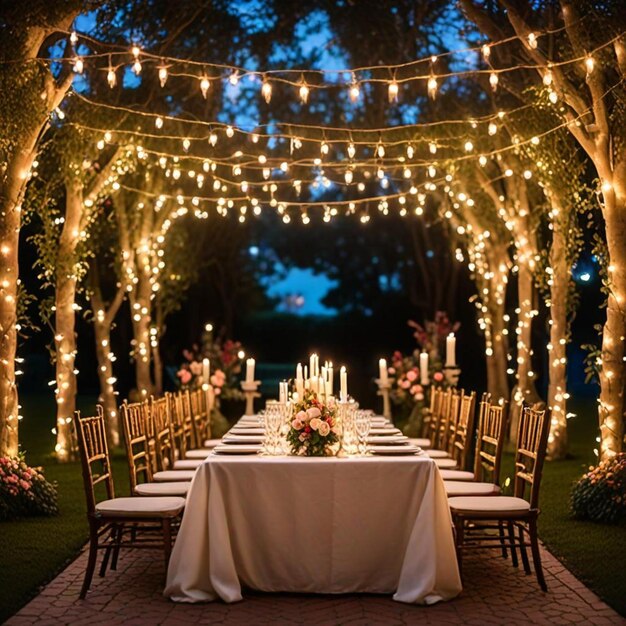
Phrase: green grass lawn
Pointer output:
(32, 551)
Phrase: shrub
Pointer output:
(24, 491)
(600, 495)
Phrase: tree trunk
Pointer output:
(106, 378)
(497, 380)
(65, 319)
(611, 408)
(524, 390)
(141, 315)
(557, 350)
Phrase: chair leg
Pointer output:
(91, 561)
(534, 546)
(522, 548)
(459, 530)
(511, 532)
(167, 541)
(502, 541)
(116, 549)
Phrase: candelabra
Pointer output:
(250, 389)
(452, 373)
(384, 386)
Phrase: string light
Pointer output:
(393, 91)
(266, 90)
(432, 87)
(205, 85)
(303, 92)
(162, 75)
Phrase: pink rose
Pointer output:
(315, 422)
(391, 370)
(419, 397)
(25, 485)
(411, 375)
(405, 384)
(302, 416)
(185, 376)
(196, 368)
(217, 391)
(297, 424)
(438, 376)
(313, 412)
(323, 429)
(303, 437)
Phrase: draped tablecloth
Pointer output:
(315, 525)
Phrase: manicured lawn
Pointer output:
(33, 551)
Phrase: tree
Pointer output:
(30, 94)
(591, 94)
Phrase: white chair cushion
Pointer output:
(437, 454)
(211, 443)
(201, 453)
(173, 476)
(420, 442)
(450, 474)
(445, 463)
(188, 464)
(497, 504)
(179, 489)
(141, 507)
(464, 488)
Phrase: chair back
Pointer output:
(453, 417)
(444, 409)
(94, 456)
(162, 431)
(532, 441)
(433, 414)
(490, 440)
(463, 433)
(182, 423)
(138, 453)
(198, 415)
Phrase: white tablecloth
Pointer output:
(331, 525)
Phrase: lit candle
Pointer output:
(329, 386)
(451, 350)
(250, 371)
(382, 369)
(206, 371)
(312, 365)
(282, 392)
(343, 384)
(424, 379)
(321, 387)
(299, 379)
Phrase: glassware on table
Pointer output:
(273, 422)
(347, 417)
(362, 427)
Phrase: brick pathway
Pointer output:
(494, 593)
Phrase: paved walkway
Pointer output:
(494, 593)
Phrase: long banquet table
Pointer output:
(315, 525)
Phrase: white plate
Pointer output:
(385, 432)
(400, 450)
(245, 430)
(235, 438)
(237, 449)
(392, 440)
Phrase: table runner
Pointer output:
(315, 525)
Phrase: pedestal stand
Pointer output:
(250, 389)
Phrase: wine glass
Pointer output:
(348, 428)
(362, 424)
(273, 421)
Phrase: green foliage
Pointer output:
(600, 495)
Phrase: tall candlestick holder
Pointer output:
(250, 389)
(452, 373)
(384, 387)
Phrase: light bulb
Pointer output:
(493, 129)
(553, 97)
(348, 176)
(410, 151)
(324, 147)
(355, 92)
(78, 65)
(111, 78)
(380, 150)
(432, 87)
(162, 75)
(205, 85)
(351, 150)
(158, 122)
(547, 78)
(137, 67)
(469, 146)
(393, 91)
(432, 147)
(233, 79)
(266, 90)
(532, 40)
(493, 80)
(304, 93)
(486, 50)
(589, 64)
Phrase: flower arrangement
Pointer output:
(226, 357)
(431, 337)
(313, 429)
(600, 495)
(24, 491)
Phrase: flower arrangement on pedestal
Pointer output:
(24, 491)
(225, 356)
(313, 429)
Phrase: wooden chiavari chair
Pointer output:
(109, 518)
(182, 422)
(436, 397)
(517, 512)
(161, 430)
(488, 456)
(200, 423)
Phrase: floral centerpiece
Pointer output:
(313, 429)
(24, 491)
